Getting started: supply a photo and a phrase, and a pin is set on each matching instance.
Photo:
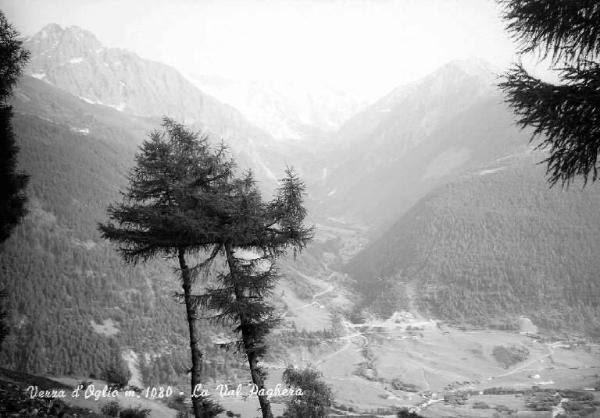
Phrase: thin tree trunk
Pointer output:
(255, 372)
(194, 334)
(258, 380)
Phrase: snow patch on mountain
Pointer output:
(120, 107)
(491, 171)
(82, 131)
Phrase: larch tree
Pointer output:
(255, 235)
(565, 116)
(173, 208)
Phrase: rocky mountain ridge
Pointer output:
(72, 59)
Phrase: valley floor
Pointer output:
(422, 363)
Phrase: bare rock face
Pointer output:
(73, 59)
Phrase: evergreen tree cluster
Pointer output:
(564, 116)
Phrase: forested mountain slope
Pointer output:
(492, 245)
(74, 306)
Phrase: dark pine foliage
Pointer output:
(12, 57)
(12, 183)
(564, 116)
(172, 208)
(255, 234)
(171, 205)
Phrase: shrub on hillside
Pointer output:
(405, 413)
(111, 409)
(136, 412)
(117, 374)
(480, 405)
(316, 398)
(398, 384)
(507, 356)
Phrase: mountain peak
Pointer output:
(50, 29)
(53, 36)
(473, 77)
(472, 66)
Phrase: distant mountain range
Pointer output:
(418, 136)
(286, 110)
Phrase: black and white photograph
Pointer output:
(299, 208)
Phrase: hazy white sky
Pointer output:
(370, 45)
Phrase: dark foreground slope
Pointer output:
(491, 246)
(16, 401)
